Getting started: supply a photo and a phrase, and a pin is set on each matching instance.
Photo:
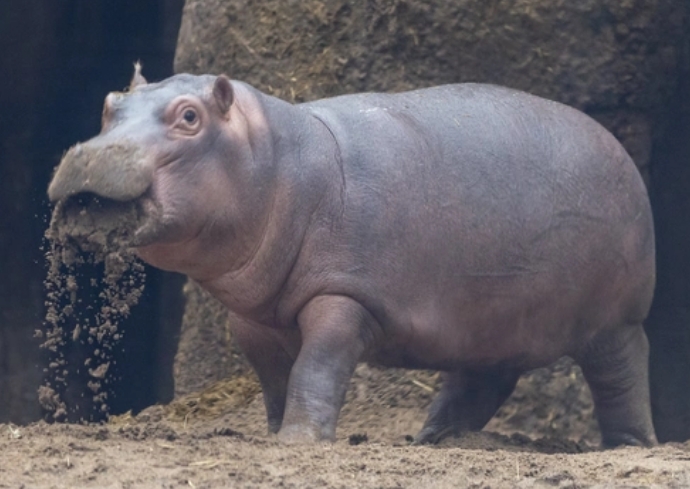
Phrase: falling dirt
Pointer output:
(83, 310)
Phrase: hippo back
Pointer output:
(481, 205)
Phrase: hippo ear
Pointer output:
(137, 79)
(222, 92)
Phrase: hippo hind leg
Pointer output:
(467, 401)
(615, 366)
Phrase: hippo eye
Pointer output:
(189, 116)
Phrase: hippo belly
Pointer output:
(480, 237)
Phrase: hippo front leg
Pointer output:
(335, 334)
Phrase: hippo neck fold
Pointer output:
(307, 184)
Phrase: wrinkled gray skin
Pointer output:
(467, 228)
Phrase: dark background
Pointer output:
(59, 59)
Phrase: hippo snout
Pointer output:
(118, 171)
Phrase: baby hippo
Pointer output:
(470, 228)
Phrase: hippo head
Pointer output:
(180, 151)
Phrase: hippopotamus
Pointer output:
(471, 229)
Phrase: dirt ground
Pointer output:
(217, 439)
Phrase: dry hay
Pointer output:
(214, 401)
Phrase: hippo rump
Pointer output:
(472, 229)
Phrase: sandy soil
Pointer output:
(218, 439)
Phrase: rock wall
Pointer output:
(616, 60)
(622, 62)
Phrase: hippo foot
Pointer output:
(612, 440)
(615, 367)
(299, 435)
(467, 401)
(431, 435)
(274, 426)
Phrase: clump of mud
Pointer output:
(93, 280)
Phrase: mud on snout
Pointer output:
(94, 223)
(101, 197)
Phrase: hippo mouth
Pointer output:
(95, 223)
(103, 197)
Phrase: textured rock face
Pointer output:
(621, 61)
(590, 54)
(601, 56)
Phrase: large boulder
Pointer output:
(620, 61)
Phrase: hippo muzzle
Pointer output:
(117, 171)
(101, 186)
